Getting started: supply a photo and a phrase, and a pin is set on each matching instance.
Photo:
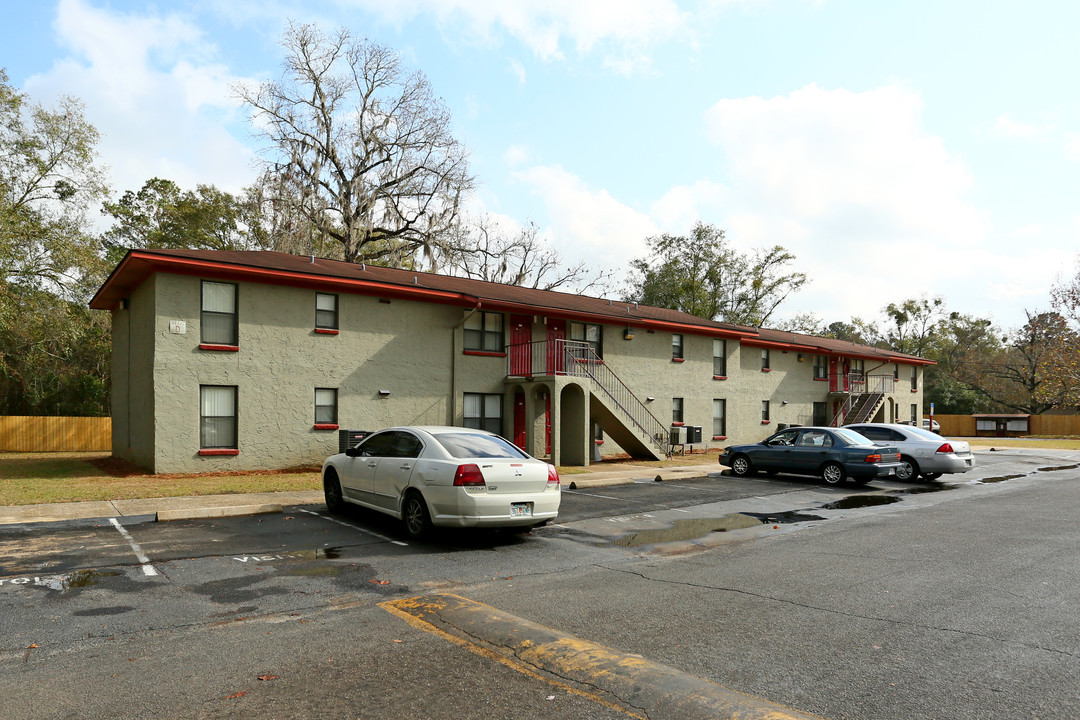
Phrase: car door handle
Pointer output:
(406, 466)
(373, 464)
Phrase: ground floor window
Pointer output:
(677, 411)
(217, 417)
(914, 413)
(764, 411)
(325, 406)
(821, 414)
(719, 418)
(483, 411)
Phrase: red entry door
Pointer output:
(520, 349)
(834, 374)
(556, 333)
(519, 419)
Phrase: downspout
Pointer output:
(457, 345)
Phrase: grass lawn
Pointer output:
(31, 478)
(1029, 443)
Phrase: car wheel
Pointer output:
(740, 465)
(833, 473)
(332, 492)
(414, 515)
(908, 470)
(931, 476)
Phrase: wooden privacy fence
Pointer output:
(55, 434)
(1052, 425)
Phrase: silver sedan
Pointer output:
(922, 453)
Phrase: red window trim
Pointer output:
(326, 331)
(766, 422)
(719, 437)
(326, 426)
(914, 389)
(766, 369)
(719, 377)
(219, 451)
(821, 379)
(677, 424)
(598, 442)
(219, 348)
(674, 359)
(482, 353)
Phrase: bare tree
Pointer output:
(482, 250)
(364, 145)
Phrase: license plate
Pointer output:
(520, 509)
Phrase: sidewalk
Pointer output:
(206, 506)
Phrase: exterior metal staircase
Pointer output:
(863, 401)
(618, 411)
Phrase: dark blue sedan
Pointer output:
(833, 454)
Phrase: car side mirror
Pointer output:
(352, 452)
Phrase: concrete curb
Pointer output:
(629, 683)
(216, 512)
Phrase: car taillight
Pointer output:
(553, 477)
(873, 458)
(946, 448)
(468, 476)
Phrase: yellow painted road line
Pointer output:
(628, 683)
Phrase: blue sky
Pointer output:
(899, 149)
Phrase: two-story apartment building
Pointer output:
(246, 360)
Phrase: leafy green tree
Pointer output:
(1059, 368)
(161, 215)
(48, 180)
(704, 276)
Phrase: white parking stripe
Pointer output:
(354, 527)
(147, 568)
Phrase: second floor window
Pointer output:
(484, 332)
(583, 332)
(914, 378)
(676, 347)
(821, 367)
(764, 358)
(719, 358)
(218, 319)
(326, 316)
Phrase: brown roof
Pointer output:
(303, 271)
(832, 346)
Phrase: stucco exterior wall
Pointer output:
(133, 404)
(403, 347)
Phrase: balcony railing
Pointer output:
(577, 359)
(857, 383)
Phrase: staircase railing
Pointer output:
(868, 394)
(577, 359)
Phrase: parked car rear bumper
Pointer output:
(947, 463)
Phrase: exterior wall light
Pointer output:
(384, 393)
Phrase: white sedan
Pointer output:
(443, 476)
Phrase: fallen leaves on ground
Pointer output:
(234, 696)
(268, 677)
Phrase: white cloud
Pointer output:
(1007, 128)
(587, 224)
(855, 187)
(152, 88)
(1072, 146)
(517, 155)
(622, 30)
(518, 70)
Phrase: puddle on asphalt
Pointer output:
(1002, 478)
(791, 516)
(922, 489)
(1058, 467)
(854, 502)
(86, 578)
(689, 529)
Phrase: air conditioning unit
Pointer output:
(678, 434)
(350, 438)
(693, 434)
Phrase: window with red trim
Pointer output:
(326, 409)
(326, 312)
(217, 418)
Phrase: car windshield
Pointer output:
(852, 438)
(921, 434)
(471, 445)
